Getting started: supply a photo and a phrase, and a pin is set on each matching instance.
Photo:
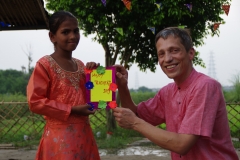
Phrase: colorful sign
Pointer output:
(101, 87)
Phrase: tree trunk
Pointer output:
(111, 123)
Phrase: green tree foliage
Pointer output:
(13, 81)
(144, 89)
(136, 45)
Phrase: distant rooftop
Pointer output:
(23, 15)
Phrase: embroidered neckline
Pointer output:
(74, 60)
(73, 78)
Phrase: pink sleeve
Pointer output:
(201, 112)
(152, 110)
(37, 90)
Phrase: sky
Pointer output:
(225, 49)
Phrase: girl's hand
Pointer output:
(82, 110)
(125, 117)
(92, 65)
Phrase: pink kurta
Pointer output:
(52, 92)
(195, 107)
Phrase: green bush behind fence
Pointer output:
(16, 121)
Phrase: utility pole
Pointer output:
(136, 81)
(29, 53)
(211, 68)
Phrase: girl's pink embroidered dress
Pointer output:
(52, 92)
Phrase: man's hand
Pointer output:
(125, 117)
(121, 75)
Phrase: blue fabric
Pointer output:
(2, 24)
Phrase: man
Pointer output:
(192, 107)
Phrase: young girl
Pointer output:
(56, 90)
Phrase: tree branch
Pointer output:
(124, 54)
(115, 55)
(127, 59)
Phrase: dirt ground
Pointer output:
(139, 150)
(135, 157)
(23, 154)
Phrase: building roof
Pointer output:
(23, 15)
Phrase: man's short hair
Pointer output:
(182, 34)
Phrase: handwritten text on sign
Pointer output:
(101, 84)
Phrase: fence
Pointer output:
(16, 121)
